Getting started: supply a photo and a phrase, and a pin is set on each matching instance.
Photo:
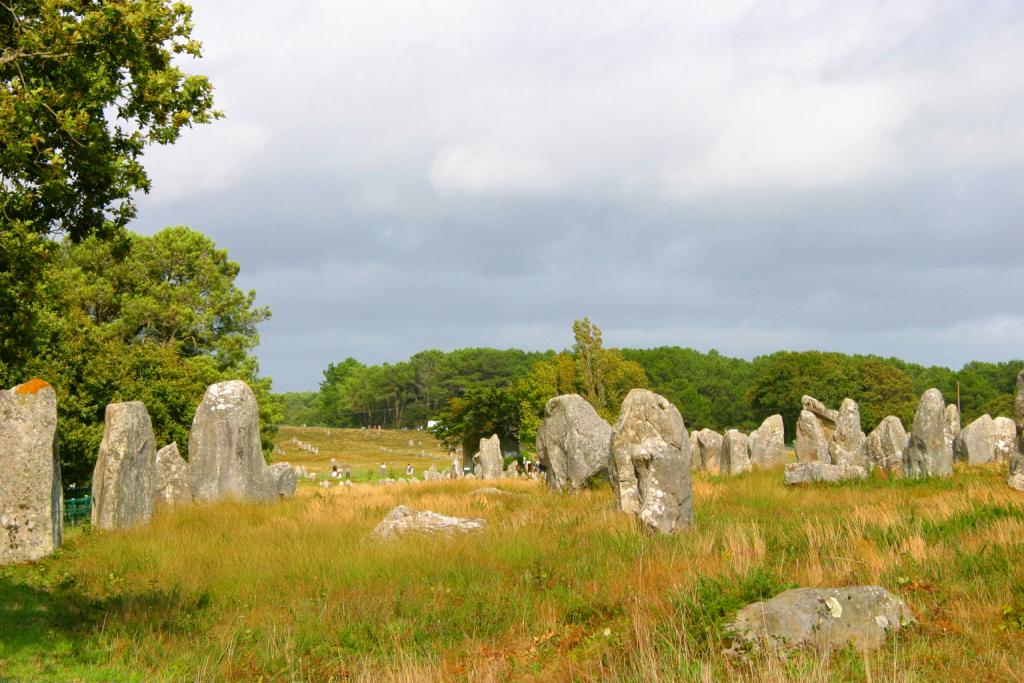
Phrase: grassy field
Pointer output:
(363, 450)
(557, 588)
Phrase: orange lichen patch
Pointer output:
(33, 386)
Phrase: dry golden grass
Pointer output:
(557, 588)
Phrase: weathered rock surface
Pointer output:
(821, 619)
(884, 446)
(695, 460)
(405, 520)
(431, 474)
(1015, 479)
(847, 447)
(812, 472)
(284, 478)
(812, 443)
(952, 427)
(828, 417)
(926, 454)
(735, 456)
(170, 481)
(975, 444)
(649, 446)
(709, 444)
(31, 497)
(487, 462)
(572, 443)
(1018, 411)
(125, 472)
(1004, 433)
(767, 443)
(225, 456)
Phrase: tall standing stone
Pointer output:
(31, 497)
(952, 427)
(847, 447)
(649, 446)
(709, 443)
(573, 443)
(1004, 442)
(735, 453)
(224, 451)
(696, 462)
(767, 443)
(1018, 410)
(284, 478)
(170, 485)
(975, 444)
(812, 443)
(488, 460)
(884, 447)
(926, 454)
(122, 481)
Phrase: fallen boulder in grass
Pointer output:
(404, 520)
(821, 619)
(815, 471)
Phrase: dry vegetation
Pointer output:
(558, 588)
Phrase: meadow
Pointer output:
(557, 587)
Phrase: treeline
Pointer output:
(477, 392)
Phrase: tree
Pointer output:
(157, 323)
(85, 87)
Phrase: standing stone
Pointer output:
(952, 427)
(1018, 411)
(1015, 480)
(811, 441)
(456, 470)
(847, 447)
(170, 482)
(709, 444)
(735, 456)
(284, 478)
(695, 460)
(573, 443)
(975, 444)
(31, 497)
(826, 416)
(926, 454)
(124, 476)
(225, 456)
(767, 443)
(1004, 433)
(650, 442)
(884, 447)
(488, 463)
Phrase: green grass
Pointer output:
(557, 588)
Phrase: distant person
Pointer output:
(383, 471)
(348, 473)
(409, 470)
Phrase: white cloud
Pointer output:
(485, 169)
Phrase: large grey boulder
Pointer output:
(926, 454)
(735, 453)
(847, 447)
(1018, 411)
(813, 472)
(650, 441)
(812, 443)
(767, 443)
(828, 417)
(820, 619)
(284, 478)
(884, 446)
(122, 481)
(170, 480)
(572, 443)
(31, 497)
(404, 520)
(1015, 479)
(1004, 433)
(224, 451)
(709, 448)
(488, 462)
(952, 427)
(975, 444)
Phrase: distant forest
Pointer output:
(478, 391)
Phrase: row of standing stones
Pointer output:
(648, 457)
(131, 477)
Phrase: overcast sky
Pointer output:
(746, 176)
